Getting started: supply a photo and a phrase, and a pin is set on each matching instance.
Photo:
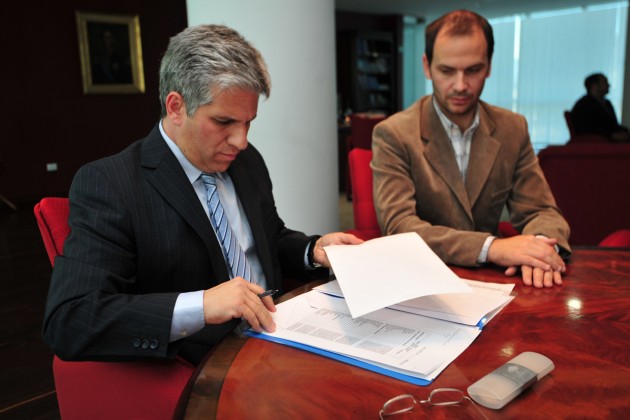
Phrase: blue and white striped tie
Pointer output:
(231, 248)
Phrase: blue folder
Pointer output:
(341, 358)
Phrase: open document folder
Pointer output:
(395, 308)
(400, 344)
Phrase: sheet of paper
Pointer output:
(388, 270)
(473, 308)
(418, 346)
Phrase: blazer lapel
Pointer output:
(483, 152)
(441, 156)
(169, 179)
(247, 196)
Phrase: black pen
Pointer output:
(269, 292)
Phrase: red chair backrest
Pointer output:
(365, 221)
(619, 238)
(361, 126)
(590, 183)
(51, 214)
(152, 389)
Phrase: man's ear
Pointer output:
(426, 66)
(175, 108)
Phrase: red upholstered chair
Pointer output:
(109, 390)
(618, 239)
(506, 230)
(590, 183)
(361, 127)
(365, 222)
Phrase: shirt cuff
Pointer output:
(187, 315)
(483, 255)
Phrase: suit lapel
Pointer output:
(483, 152)
(439, 152)
(247, 196)
(169, 179)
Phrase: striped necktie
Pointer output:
(231, 248)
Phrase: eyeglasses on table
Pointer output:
(438, 397)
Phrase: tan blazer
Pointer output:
(418, 186)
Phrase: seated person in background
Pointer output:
(594, 114)
(173, 238)
(446, 166)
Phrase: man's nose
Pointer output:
(238, 137)
(460, 82)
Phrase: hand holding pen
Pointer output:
(269, 292)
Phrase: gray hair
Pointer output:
(202, 61)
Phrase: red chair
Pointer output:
(109, 390)
(361, 127)
(506, 230)
(618, 239)
(365, 222)
(590, 183)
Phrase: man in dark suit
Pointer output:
(594, 114)
(149, 268)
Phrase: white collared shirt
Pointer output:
(460, 142)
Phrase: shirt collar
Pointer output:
(192, 172)
(449, 125)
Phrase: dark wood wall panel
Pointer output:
(45, 115)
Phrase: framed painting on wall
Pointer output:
(111, 53)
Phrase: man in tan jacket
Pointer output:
(448, 165)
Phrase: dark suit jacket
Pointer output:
(139, 236)
(418, 186)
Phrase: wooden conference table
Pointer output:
(583, 327)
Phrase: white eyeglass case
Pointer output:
(502, 385)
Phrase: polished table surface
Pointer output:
(583, 327)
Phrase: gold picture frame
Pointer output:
(111, 53)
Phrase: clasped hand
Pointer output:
(540, 264)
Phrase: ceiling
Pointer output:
(435, 8)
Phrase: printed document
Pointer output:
(397, 341)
